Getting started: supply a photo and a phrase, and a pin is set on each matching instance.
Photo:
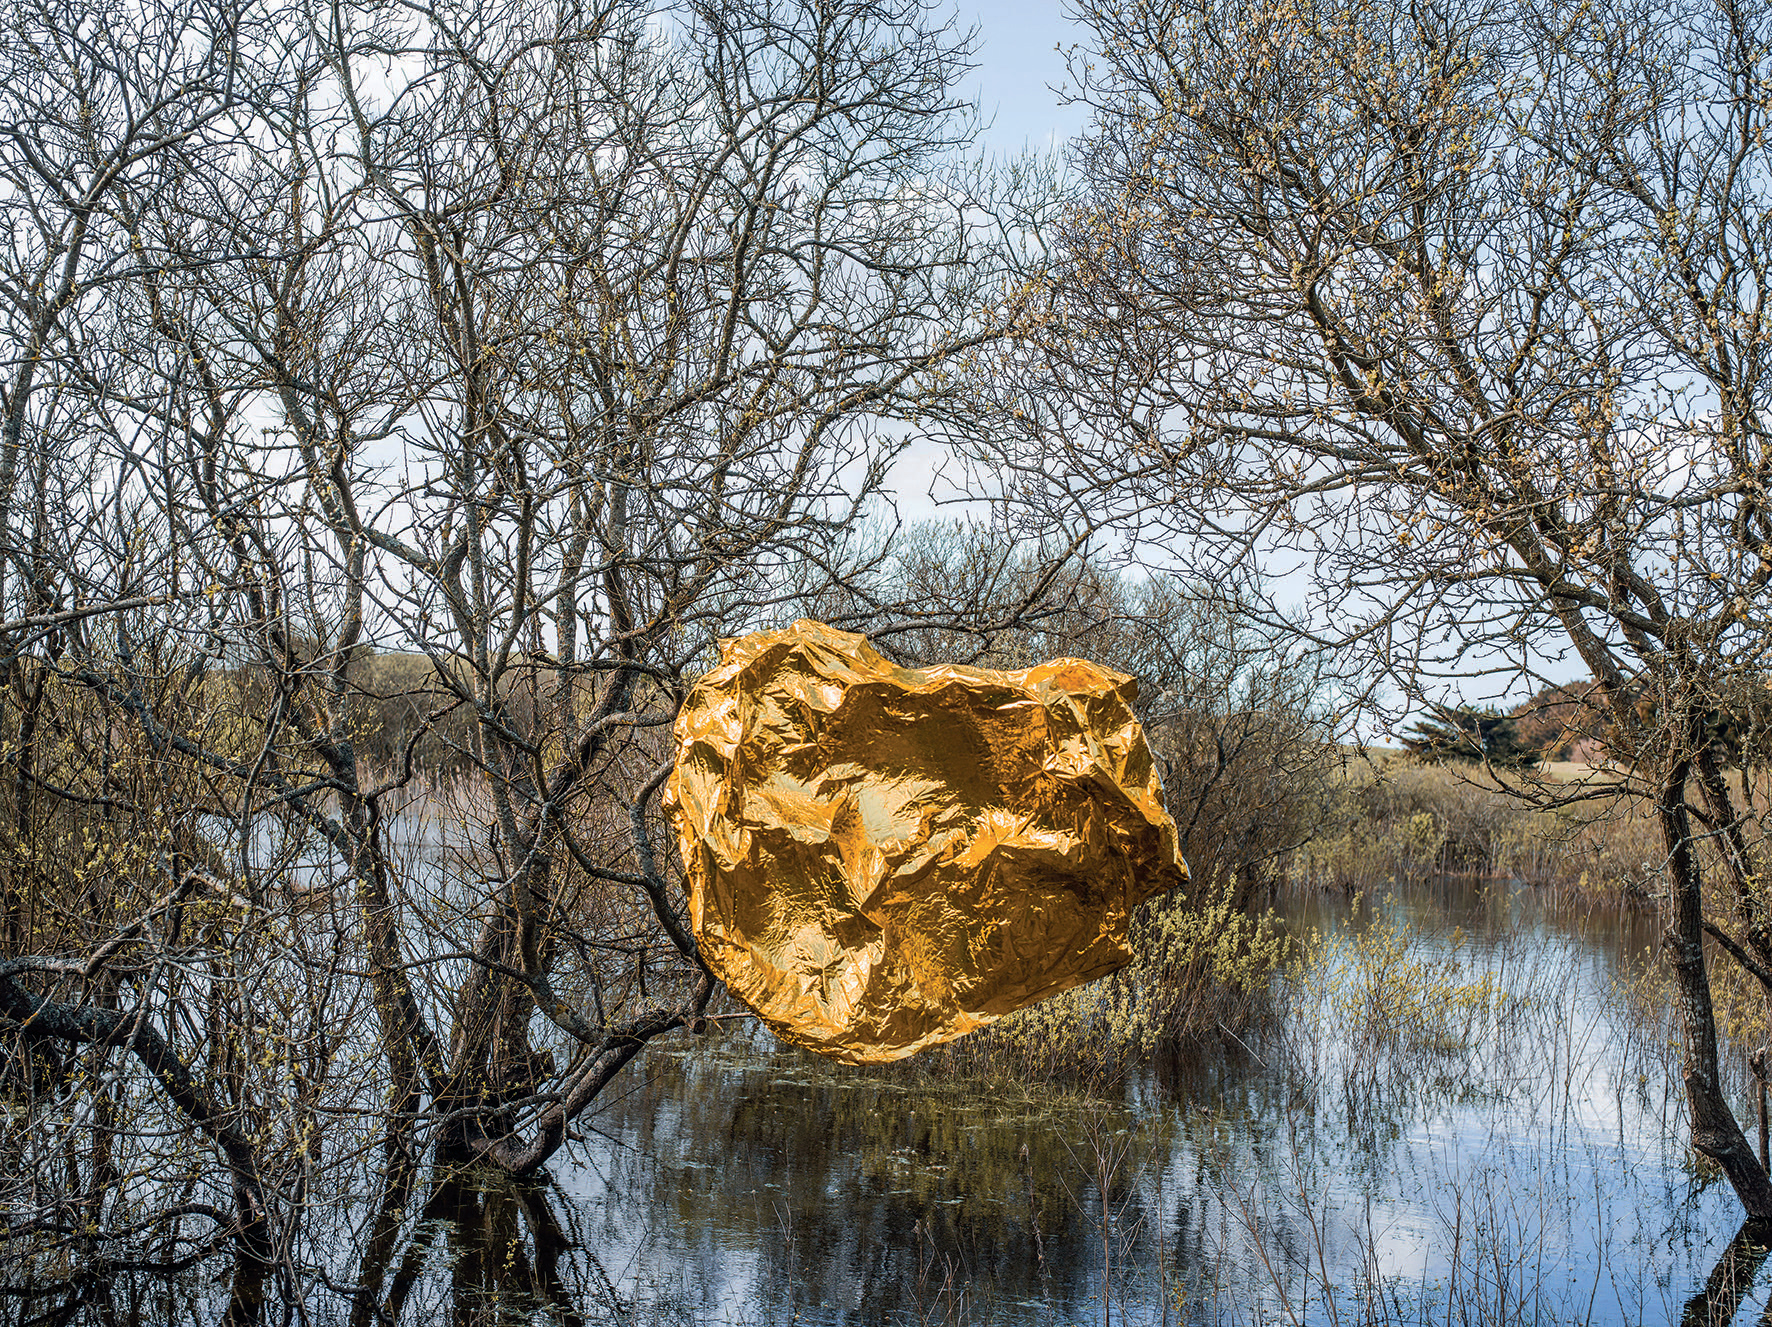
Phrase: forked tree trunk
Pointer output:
(1715, 1132)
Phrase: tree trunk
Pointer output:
(1715, 1131)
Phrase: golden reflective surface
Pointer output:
(884, 858)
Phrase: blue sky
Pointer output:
(1017, 68)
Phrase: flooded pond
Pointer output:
(1456, 1118)
(1463, 1110)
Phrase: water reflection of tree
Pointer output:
(783, 1188)
(484, 1247)
(502, 1250)
(856, 1187)
(1731, 1279)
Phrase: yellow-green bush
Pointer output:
(1388, 995)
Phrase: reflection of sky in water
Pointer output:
(738, 1181)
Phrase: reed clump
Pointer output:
(1393, 995)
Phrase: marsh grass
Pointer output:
(1409, 1042)
(1396, 998)
(1501, 1264)
(1376, 1021)
(1400, 821)
(1388, 824)
(1360, 1006)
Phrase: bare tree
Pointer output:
(480, 366)
(1454, 314)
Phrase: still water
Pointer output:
(1513, 1154)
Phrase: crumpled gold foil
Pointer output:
(884, 858)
